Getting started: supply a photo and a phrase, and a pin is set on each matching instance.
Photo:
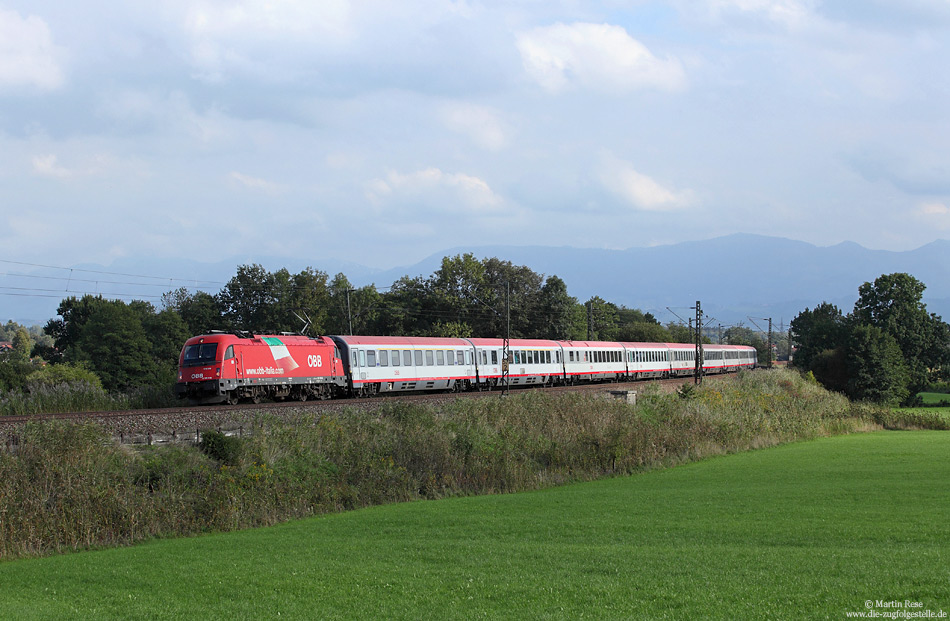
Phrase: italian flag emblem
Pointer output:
(281, 354)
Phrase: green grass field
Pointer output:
(930, 398)
(807, 530)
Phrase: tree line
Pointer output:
(887, 349)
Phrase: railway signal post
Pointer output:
(698, 375)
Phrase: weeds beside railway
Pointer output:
(68, 486)
(80, 396)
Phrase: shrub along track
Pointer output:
(184, 424)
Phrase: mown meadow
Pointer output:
(805, 530)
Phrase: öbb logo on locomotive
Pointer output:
(229, 367)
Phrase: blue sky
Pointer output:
(380, 132)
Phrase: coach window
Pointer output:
(395, 357)
(494, 356)
(406, 358)
(460, 356)
(362, 357)
(430, 359)
(354, 364)
(383, 358)
(418, 358)
(440, 357)
(371, 357)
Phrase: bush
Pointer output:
(66, 373)
(13, 374)
(217, 445)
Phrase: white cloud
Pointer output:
(252, 35)
(27, 53)
(598, 56)
(47, 165)
(254, 183)
(442, 190)
(935, 214)
(789, 13)
(479, 123)
(640, 191)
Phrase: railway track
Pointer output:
(180, 424)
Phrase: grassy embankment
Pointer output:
(806, 530)
(68, 487)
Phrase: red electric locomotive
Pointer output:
(227, 367)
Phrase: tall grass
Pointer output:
(80, 396)
(68, 486)
(43, 398)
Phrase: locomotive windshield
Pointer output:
(202, 353)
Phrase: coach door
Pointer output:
(362, 359)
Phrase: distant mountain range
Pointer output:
(736, 277)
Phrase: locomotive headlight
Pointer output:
(217, 372)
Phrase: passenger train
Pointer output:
(229, 367)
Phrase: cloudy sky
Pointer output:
(380, 132)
